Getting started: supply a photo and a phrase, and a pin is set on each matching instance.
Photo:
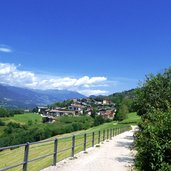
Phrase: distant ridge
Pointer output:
(16, 97)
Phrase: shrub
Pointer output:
(4, 112)
(2, 123)
(153, 142)
(98, 120)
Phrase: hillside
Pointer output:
(118, 97)
(16, 97)
(11, 157)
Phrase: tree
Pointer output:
(153, 138)
(155, 93)
(2, 123)
(94, 112)
(4, 112)
(122, 112)
(99, 120)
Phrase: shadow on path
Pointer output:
(124, 144)
(126, 159)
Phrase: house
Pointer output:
(55, 112)
(109, 114)
(106, 102)
(89, 111)
(76, 107)
(42, 109)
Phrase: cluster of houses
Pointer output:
(84, 106)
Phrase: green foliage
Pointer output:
(65, 103)
(153, 140)
(16, 111)
(155, 93)
(122, 113)
(2, 123)
(9, 112)
(94, 112)
(16, 133)
(24, 118)
(84, 122)
(99, 120)
(30, 122)
(4, 112)
(133, 118)
(126, 97)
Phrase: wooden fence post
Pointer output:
(93, 139)
(103, 135)
(99, 137)
(110, 133)
(107, 134)
(85, 141)
(55, 152)
(26, 153)
(73, 145)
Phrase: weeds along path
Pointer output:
(112, 155)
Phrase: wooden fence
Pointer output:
(55, 150)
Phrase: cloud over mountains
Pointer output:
(11, 74)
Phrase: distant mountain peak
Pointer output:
(17, 97)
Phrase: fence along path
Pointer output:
(39, 155)
(113, 155)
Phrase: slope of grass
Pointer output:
(24, 118)
(133, 118)
(15, 156)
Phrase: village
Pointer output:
(78, 107)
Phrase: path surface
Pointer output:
(114, 155)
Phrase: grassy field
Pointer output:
(24, 118)
(15, 156)
(133, 118)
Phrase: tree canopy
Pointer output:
(153, 138)
(155, 93)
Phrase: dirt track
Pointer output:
(114, 155)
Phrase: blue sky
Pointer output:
(93, 46)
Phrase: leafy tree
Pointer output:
(94, 112)
(65, 103)
(155, 93)
(98, 120)
(4, 112)
(153, 138)
(153, 142)
(122, 113)
(2, 123)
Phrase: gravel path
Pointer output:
(114, 155)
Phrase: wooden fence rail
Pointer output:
(87, 140)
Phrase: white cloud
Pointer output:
(7, 68)
(86, 80)
(5, 49)
(89, 92)
(10, 74)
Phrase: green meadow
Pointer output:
(16, 156)
(24, 118)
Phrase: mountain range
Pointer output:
(16, 97)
